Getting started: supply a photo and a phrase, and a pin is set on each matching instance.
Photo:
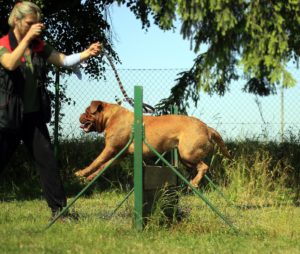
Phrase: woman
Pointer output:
(22, 75)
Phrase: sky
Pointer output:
(150, 49)
(234, 115)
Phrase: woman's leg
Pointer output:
(36, 137)
(8, 145)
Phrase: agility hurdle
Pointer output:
(137, 136)
(139, 139)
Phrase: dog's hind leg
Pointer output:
(201, 170)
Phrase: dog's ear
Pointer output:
(96, 106)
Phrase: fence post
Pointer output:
(138, 158)
(282, 114)
(56, 113)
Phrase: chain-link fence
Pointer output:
(236, 115)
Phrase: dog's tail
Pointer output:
(216, 137)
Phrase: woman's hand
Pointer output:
(34, 31)
(93, 50)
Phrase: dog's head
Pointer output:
(92, 119)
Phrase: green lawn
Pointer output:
(264, 228)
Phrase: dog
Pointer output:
(193, 138)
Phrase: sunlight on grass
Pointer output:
(262, 229)
(261, 190)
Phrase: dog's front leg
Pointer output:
(105, 156)
(94, 174)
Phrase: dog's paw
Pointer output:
(79, 173)
(79, 177)
(195, 185)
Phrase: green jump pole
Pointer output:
(158, 159)
(174, 159)
(219, 191)
(90, 184)
(216, 187)
(138, 158)
(197, 192)
(121, 203)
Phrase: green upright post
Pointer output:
(56, 113)
(174, 152)
(138, 158)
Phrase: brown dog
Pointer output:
(193, 138)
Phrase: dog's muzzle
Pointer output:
(87, 124)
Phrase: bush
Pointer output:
(258, 168)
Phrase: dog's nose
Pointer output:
(82, 118)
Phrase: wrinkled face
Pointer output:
(90, 120)
(87, 121)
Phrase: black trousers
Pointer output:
(35, 135)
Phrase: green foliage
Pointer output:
(260, 36)
(257, 169)
(71, 26)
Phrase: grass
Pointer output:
(262, 181)
(272, 229)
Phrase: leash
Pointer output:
(146, 107)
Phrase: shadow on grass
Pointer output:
(29, 188)
(23, 183)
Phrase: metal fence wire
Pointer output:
(236, 115)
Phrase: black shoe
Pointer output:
(66, 216)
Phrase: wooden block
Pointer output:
(156, 177)
(159, 181)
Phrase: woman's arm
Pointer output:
(11, 60)
(61, 60)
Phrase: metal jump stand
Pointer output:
(138, 137)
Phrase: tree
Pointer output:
(71, 26)
(261, 36)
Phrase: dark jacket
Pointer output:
(12, 84)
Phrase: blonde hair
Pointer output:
(22, 9)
